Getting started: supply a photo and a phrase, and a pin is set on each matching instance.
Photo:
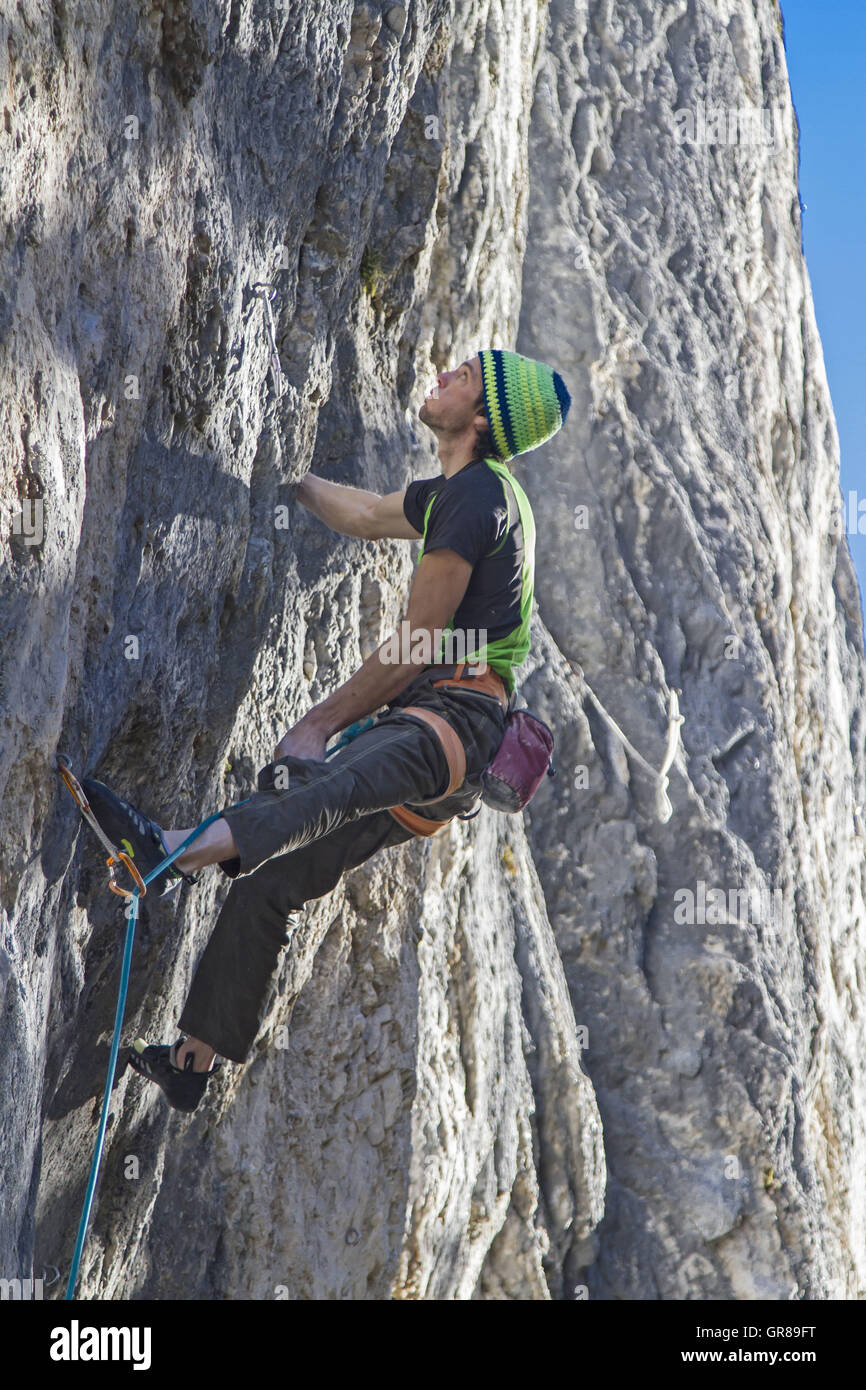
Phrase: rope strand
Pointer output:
(664, 808)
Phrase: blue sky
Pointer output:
(826, 50)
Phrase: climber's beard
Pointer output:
(430, 415)
(427, 413)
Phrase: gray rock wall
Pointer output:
(725, 1056)
(494, 1066)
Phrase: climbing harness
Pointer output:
(461, 676)
(455, 755)
(267, 293)
(454, 752)
(62, 766)
(664, 809)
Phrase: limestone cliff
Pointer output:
(505, 1063)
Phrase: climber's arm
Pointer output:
(440, 581)
(354, 512)
(387, 520)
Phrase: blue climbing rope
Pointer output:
(353, 731)
(131, 919)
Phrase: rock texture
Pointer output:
(726, 1056)
(499, 1064)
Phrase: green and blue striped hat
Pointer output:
(526, 401)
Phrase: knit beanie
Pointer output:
(526, 401)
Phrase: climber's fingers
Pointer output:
(303, 740)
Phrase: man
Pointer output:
(313, 819)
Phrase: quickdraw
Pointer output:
(268, 292)
(115, 856)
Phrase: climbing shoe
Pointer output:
(183, 1088)
(134, 833)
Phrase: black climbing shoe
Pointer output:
(183, 1089)
(134, 833)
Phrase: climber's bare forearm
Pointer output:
(344, 509)
(372, 685)
(437, 589)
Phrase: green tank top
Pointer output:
(509, 651)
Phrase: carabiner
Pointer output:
(122, 857)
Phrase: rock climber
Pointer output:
(420, 763)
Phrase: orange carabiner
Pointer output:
(117, 856)
(122, 857)
(71, 782)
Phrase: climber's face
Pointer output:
(451, 407)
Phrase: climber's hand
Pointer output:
(306, 739)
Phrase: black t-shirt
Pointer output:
(470, 514)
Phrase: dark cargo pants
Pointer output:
(296, 843)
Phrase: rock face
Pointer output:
(725, 1055)
(545, 1057)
